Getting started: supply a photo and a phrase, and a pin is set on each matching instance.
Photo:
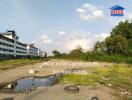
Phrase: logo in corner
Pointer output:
(117, 11)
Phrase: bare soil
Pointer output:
(55, 92)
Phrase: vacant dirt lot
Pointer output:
(46, 68)
(55, 92)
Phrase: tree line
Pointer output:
(116, 47)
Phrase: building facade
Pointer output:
(32, 51)
(11, 47)
(42, 53)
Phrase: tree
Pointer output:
(124, 29)
(77, 51)
(116, 44)
(56, 53)
(100, 46)
(96, 46)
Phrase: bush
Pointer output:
(94, 56)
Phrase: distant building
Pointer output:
(42, 53)
(32, 51)
(117, 11)
(11, 47)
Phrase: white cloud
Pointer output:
(78, 38)
(45, 39)
(62, 33)
(89, 6)
(101, 37)
(90, 12)
(86, 41)
(104, 35)
(85, 44)
(81, 10)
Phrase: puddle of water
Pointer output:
(34, 82)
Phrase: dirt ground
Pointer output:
(55, 92)
(46, 68)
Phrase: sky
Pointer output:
(61, 24)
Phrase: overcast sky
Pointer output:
(61, 24)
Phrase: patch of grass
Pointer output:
(118, 76)
(9, 64)
(80, 79)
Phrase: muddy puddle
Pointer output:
(29, 83)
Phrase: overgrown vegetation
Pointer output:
(9, 64)
(118, 77)
(115, 48)
(92, 56)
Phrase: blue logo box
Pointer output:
(117, 11)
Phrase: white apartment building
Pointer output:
(41, 53)
(32, 50)
(11, 47)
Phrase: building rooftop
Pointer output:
(32, 45)
(8, 39)
(10, 32)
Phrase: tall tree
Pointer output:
(56, 53)
(116, 44)
(124, 29)
(100, 46)
(77, 51)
